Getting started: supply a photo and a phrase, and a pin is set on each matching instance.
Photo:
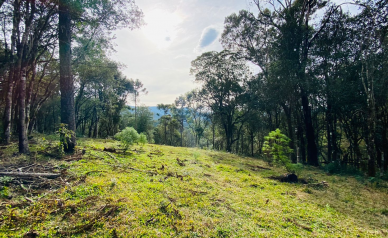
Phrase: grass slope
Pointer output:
(162, 191)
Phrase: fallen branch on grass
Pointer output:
(112, 156)
(257, 167)
(104, 212)
(28, 175)
(144, 171)
(322, 184)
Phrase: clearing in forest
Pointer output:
(163, 191)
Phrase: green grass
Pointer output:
(148, 193)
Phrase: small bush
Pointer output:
(127, 137)
(196, 155)
(143, 139)
(4, 192)
(333, 167)
(294, 168)
(65, 136)
(276, 149)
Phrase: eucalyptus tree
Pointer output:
(31, 29)
(138, 88)
(179, 112)
(98, 16)
(101, 95)
(165, 119)
(28, 35)
(145, 123)
(225, 81)
(281, 36)
(198, 115)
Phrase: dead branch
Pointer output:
(112, 156)
(28, 175)
(322, 184)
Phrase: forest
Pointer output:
(299, 86)
(321, 81)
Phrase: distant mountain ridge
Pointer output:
(155, 111)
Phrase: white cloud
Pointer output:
(209, 34)
(209, 39)
(160, 53)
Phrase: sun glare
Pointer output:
(161, 28)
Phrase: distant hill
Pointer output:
(155, 111)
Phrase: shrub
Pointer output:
(127, 137)
(335, 167)
(143, 139)
(65, 136)
(276, 149)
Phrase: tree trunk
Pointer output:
(287, 111)
(312, 151)
(385, 149)
(29, 97)
(21, 75)
(11, 78)
(66, 79)
(165, 134)
(23, 140)
(135, 111)
(8, 108)
(242, 143)
(252, 138)
(213, 131)
(182, 135)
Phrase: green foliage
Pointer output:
(277, 150)
(166, 199)
(335, 167)
(65, 136)
(127, 137)
(196, 155)
(4, 192)
(5, 180)
(142, 139)
(294, 168)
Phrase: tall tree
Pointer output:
(105, 15)
(179, 112)
(225, 80)
(285, 34)
(138, 88)
(66, 78)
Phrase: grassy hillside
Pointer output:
(162, 191)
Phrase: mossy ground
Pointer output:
(163, 191)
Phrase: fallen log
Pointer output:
(29, 175)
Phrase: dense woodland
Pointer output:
(322, 80)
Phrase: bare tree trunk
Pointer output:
(182, 127)
(312, 151)
(287, 111)
(21, 75)
(242, 142)
(8, 108)
(252, 138)
(385, 149)
(23, 140)
(66, 79)
(29, 96)
(11, 79)
(213, 131)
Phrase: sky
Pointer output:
(176, 32)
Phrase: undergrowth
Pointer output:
(163, 191)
